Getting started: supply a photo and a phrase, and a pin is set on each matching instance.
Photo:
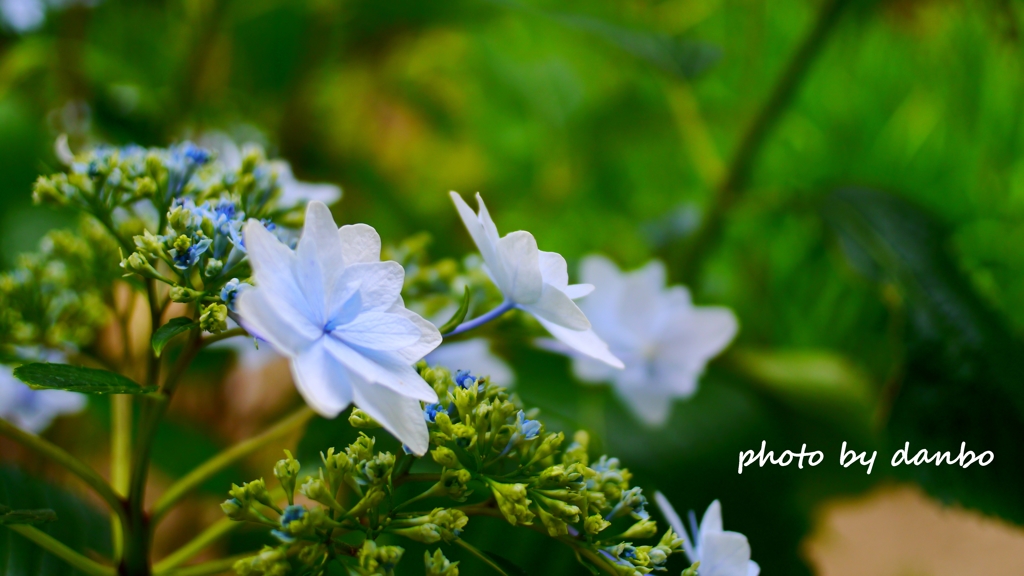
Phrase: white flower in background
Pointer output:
(475, 356)
(27, 15)
(293, 192)
(664, 340)
(335, 310)
(719, 552)
(534, 281)
(34, 410)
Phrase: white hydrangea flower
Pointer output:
(664, 340)
(34, 410)
(335, 310)
(534, 281)
(719, 552)
(475, 356)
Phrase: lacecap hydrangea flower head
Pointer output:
(335, 310)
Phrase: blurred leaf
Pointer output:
(172, 328)
(821, 381)
(81, 527)
(47, 376)
(459, 315)
(26, 516)
(508, 567)
(962, 371)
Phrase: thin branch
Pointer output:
(62, 457)
(228, 457)
(62, 551)
(740, 168)
(205, 538)
(207, 569)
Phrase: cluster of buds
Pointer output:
(57, 296)
(488, 456)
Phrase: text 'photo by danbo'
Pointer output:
(511, 287)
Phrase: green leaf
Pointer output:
(459, 315)
(172, 328)
(960, 378)
(47, 376)
(27, 517)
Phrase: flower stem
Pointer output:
(62, 551)
(228, 457)
(62, 457)
(120, 457)
(482, 319)
(209, 568)
(224, 336)
(196, 545)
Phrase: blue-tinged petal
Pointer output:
(724, 554)
(523, 282)
(712, 521)
(577, 291)
(429, 338)
(380, 283)
(400, 415)
(673, 519)
(554, 306)
(318, 258)
(554, 269)
(378, 331)
(381, 368)
(271, 263)
(321, 381)
(485, 240)
(583, 341)
(276, 321)
(753, 569)
(359, 243)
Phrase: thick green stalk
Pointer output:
(207, 569)
(120, 457)
(196, 545)
(60, 550)
(743, 161)
(228, 457)
(62, 457)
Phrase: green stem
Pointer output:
(417, 478)
(197, 545)
(483, 557)
(224, 336)
(62, 551)
(120, 457)
(228, 457)
(62, 457)
(740, 168)
(214, 567)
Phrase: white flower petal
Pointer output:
(321, 381)
(712, 521)
(676, 523)
(272, 263)
(701, 334)
(378, 331)
(523, 282)
(753, 569)
(272, 319)
(398, 377)
(430, 337)
(652, 407)
(585, 368)
(294, 192)
(554, 306)
(485, 243)
(724, 554)
(577, 291)
(359, 243)
(400, 415)
(380, 284)
(582, 341)
(316, 258)
(485, 220)
(554, 269)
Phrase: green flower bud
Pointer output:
(286, 471)
(182, 243)
(362, 420)
(441, 524)
(154, 166)
(547, 447)
(692, 570)
(257, 490)
(214, 318)
(316, 489)
(361, 449)
(269, 562)
(235, 509)
(454, 482)
(555, 526)
(377, 560)
(149, 244)
(213, 267)
(577, 451)
(445, 457)
(145, 186)
(138, 264)
(182, 294)
(640, 530)
(337, 465)
(595, 524)
(512, 502)
(46, 191)
(438, 565)
(671, 541)
(370, 501)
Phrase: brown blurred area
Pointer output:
(900, 531)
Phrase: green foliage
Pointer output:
(10, 517)
(172, 328)
(48, 376)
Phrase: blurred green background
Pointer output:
(847, 176)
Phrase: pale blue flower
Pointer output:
(719, 552)
(335, 310)
(229, 293)
(663, 339)
(534, 281)
(34, 410)
(430, 412)
(292, 513)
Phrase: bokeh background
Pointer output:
(846, 175)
